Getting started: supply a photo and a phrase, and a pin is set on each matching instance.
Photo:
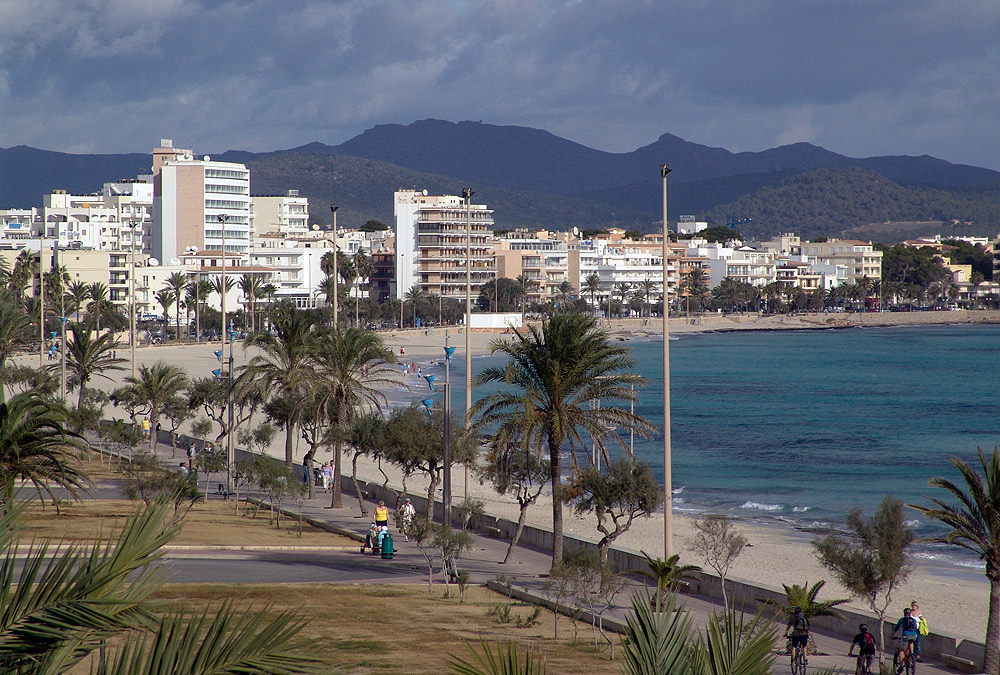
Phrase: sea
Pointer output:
(794, 428)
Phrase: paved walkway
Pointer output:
(527, 567)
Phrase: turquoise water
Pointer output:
(799, 426)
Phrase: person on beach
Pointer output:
(381, 515)
(798, 624)
(866, 648)
(405, 517)
(921, 621)
(908, 628)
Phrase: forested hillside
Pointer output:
(826, 202)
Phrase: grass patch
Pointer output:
(406, 630)
(212, 523)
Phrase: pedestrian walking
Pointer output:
(405, 517)
(382, 516)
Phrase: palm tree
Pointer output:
(36, 446)
(154, 386)
(78, 292)
(87, 356)
(166, 298)
(557, 377)
(56, 281)
(25, 268)
(621, 290)
(413, 296)
(326, 287)
(326, 263)
(667, 574)
(975, 525)
(64, 606)
(975, 281)
(198, 289)
(99, 302)
(176, 282)
(347, 273)
(250, 285)
(14, 330)
(352, 366)
(592, 285)
(364, 267)
(285, 368)
(696, 285)
(646, 288)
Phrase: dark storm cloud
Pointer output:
(860, 78)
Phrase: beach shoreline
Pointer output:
(954, 600)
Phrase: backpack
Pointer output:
(800, 622)
(911, 624)
(867, 643)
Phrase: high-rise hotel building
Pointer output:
(431, 244)
(189, 195)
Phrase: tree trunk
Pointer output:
(555, 459)
(289, 446)
(992, 663)
(517, 532)
(357, 486)
(430, 497)
(336, 498)
(309, 473)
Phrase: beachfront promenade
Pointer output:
(528, 567)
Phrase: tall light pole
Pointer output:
(131, 280)
(41, 297)
(333, 209)
(467, 194)
(222, 284)
(668, 526)
(57, 279)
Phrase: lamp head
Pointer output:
(429, 404)
(223, 217)
(664, 170)
(333, 208)
(448, 351)
(430, 381)
(218, 373)
(467, 193)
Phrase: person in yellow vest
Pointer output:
(381, 515)
(145, 428)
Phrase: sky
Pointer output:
(858, 77)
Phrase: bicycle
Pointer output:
(798, 659)
(909, 662)
(862, 667)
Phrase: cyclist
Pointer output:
(798, 624)
(907, 627)
(866, 649)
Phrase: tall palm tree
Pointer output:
(364, 267)
(592, 285)
(154, 386)
(166, 297)
(25, 268)
(326, 262)
(99, 302)
(285, 367)
(198, 290)
(622, 291)
(77, 293)
(36, 446)
(413, 296)
(250, 286)
(15, 326)
(87, 356)
(347, 273)
(176, 282)
(558, 376)
(326, 287)
(975, 525)
(56, 281)
(647, 287)
(353, 366)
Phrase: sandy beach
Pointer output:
(955, 602)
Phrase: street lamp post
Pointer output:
(41, 298)
(467, 194)
(667, 478)
(57, 278)
(333, 209)
(131, 280)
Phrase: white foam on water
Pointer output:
(801, 509)
(757, 506)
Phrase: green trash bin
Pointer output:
(387, 547)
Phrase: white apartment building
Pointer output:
(294, 270)
(100, 221)
(744, 263)
(287, 214)
(198, 202)
(858, 258)
(430, 236)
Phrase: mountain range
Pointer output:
(530, 177)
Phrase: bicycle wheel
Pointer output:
(801, 658)
(911, 665)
